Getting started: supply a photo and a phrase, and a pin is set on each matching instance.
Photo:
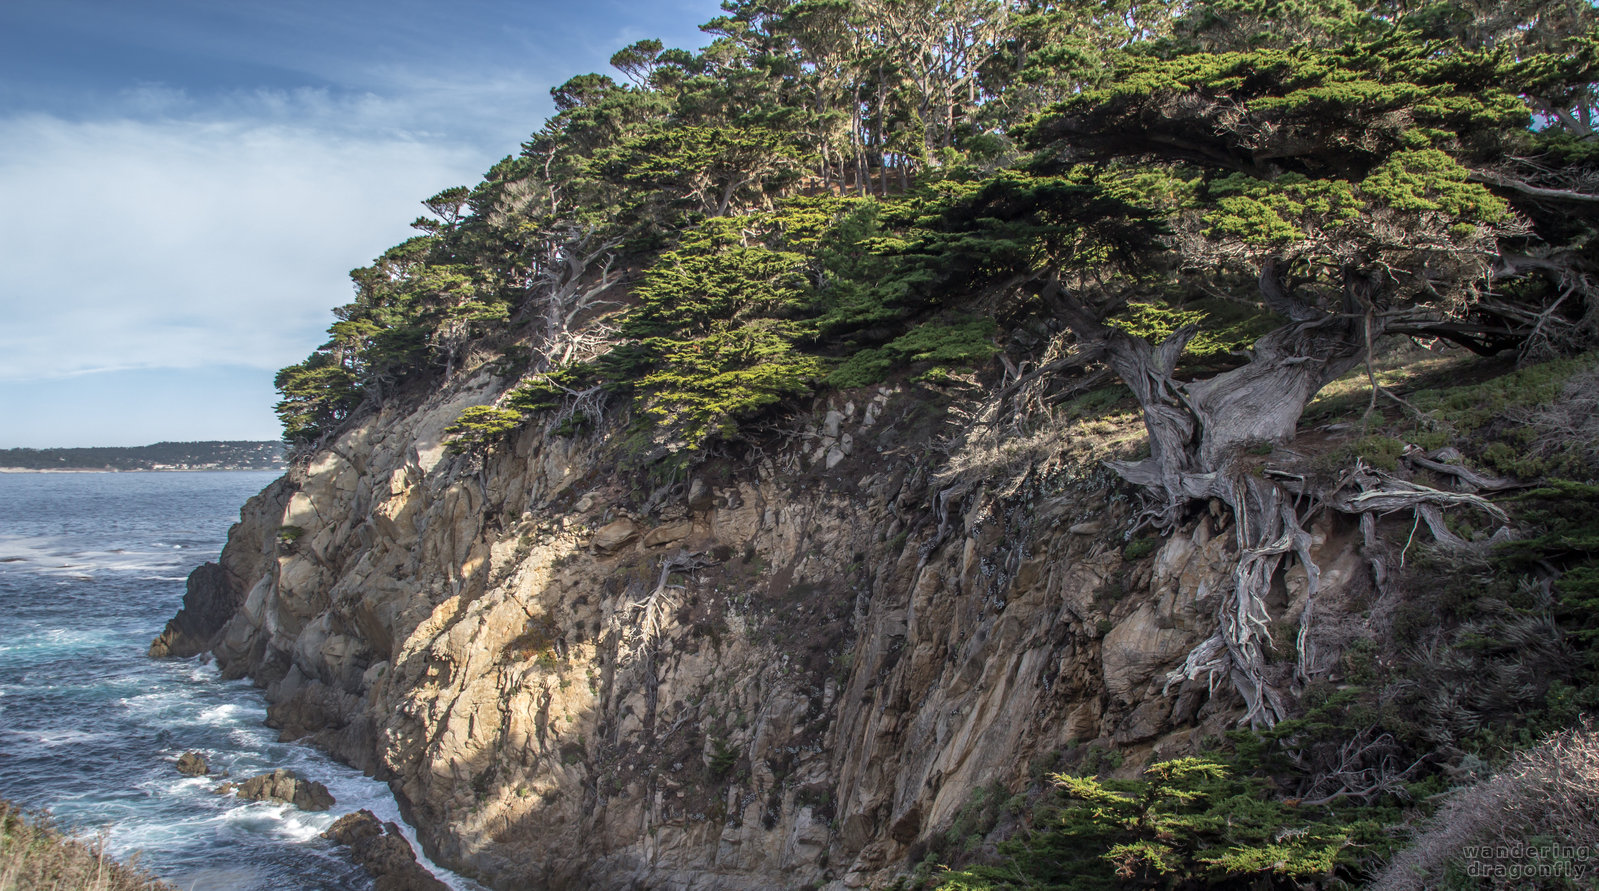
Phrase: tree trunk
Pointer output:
(1197, 432)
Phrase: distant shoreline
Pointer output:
(178, 457)
(136, 469)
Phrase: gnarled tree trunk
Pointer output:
(1197, 432)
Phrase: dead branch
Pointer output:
(1467, 479)
(1530, 190)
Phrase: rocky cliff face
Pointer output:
(792, 670)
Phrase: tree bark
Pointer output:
(1199, 429)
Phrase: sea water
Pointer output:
(91, 567)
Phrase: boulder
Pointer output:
(286, 786)
(192, 764)
(382, 851)
(613, 536)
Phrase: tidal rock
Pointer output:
(380, 849)
(286, 786)
(192, 764)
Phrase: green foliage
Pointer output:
(827, 195)
(940, 343)
(702, 388)
(1381, 452)
(547, 391)
(1565, 515)
(723, 759)
(317, 394)
(1345, 157)
(1430, 181)
(1139, 548)
(480, 428)
(1489, 420)
(1278, 211)
(1225, 330)
(711, 170)
(714, 338)
(863, 369)
(1190, 821)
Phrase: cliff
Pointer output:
(781, 672)
(719, 496)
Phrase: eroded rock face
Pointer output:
(790, 672)
(215, 591)
(285, 786)
(383, 852)
(192, 764)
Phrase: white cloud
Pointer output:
(182, 242)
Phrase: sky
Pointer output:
(186, 184)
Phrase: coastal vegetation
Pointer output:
(1224, 218)
(37, 856)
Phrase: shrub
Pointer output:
(1519, 829)
(36, 854)
(1139, 548)
(1190, 822)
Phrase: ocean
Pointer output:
(91, 567)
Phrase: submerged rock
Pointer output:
(192, 764)
(380, 849)
(285, 786)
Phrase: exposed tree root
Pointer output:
(1269, 528)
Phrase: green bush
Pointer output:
(1190, 822)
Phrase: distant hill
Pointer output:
(232, 455)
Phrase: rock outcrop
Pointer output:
(215, 591)
(285, 786)
(383, 852)
(791, 670)
(192, 764)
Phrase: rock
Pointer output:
(381, 850)
(699, 496)
(847, 672)
(831, 424)
(192, 764)
(286, 786)
(1136, 648)
(666, 533)
(209, 601)
(613, 536)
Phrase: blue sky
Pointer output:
(185, 184)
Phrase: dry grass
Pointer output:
(36, 856)
(1533, 826)
(1570, 423)
(1099, 425)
